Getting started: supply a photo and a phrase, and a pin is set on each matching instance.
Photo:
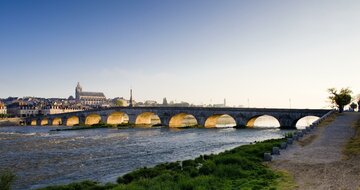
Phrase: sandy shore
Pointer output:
(317, 161)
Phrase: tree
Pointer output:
(340, 99)
(353, 106)
(120, 103)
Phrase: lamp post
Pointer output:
(290, 103)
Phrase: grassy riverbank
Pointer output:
(352, 148)
(239, 168)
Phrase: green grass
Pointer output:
(352, 148)
(6, 179)
(239, 168)
(286, 181)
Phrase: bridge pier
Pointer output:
(287, 123)
(82, 120)
(240, 122)
(201, 120)
(103, 119)
(132, 118)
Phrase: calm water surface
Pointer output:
(40, 157)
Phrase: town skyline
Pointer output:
(254, 54)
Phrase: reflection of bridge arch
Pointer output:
(182, 120)
(92, 119)
(73, 120)
(305, 121)
(33, 122)
(147, 118)
(44, 122)
(220, 120)
(56, 121)
(263, 121)
(116, 118)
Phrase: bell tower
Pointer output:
(78, 90)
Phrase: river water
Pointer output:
(40, 157)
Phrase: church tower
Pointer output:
(78, 90)
(131, 99)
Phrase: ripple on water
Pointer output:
(40, 157)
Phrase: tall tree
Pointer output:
(341, 98)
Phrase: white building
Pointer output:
(49, 110)
(26, 111)
(3, 109)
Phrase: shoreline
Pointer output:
(229, 136)
(150, 178)
(10, 122)
(244, 161)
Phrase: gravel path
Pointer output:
(317, 162)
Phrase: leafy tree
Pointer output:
(341, 98)
(120, 103)
(353, 106)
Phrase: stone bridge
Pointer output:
(175, 116)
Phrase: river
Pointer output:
(40, 157)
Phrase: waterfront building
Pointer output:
(89, 98)
(22, 109)
(58, 109)
(3, 110)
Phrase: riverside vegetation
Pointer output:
(352, 148)
(239, 168)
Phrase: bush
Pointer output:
(6, 179)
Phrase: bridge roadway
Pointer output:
(175, 116)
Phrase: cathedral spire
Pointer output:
(78, 90)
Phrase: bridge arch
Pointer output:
(33, 122)
(73, 120)
(147, 119)
(117, 118)
(182, 120)
(56, 121)
(92, 119)
(305, 121)
(263, 121)
(220, 120)
(44, 122)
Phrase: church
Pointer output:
(89, 98)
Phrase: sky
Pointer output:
(273, 54)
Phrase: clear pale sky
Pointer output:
(266, 52)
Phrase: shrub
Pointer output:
(6, 179)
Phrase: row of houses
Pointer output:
(25, 110)
(31, 106)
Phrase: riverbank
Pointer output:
(238, 168)
(4, 122)
(324, 159)
(40, 158)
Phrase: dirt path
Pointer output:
(317, 162)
